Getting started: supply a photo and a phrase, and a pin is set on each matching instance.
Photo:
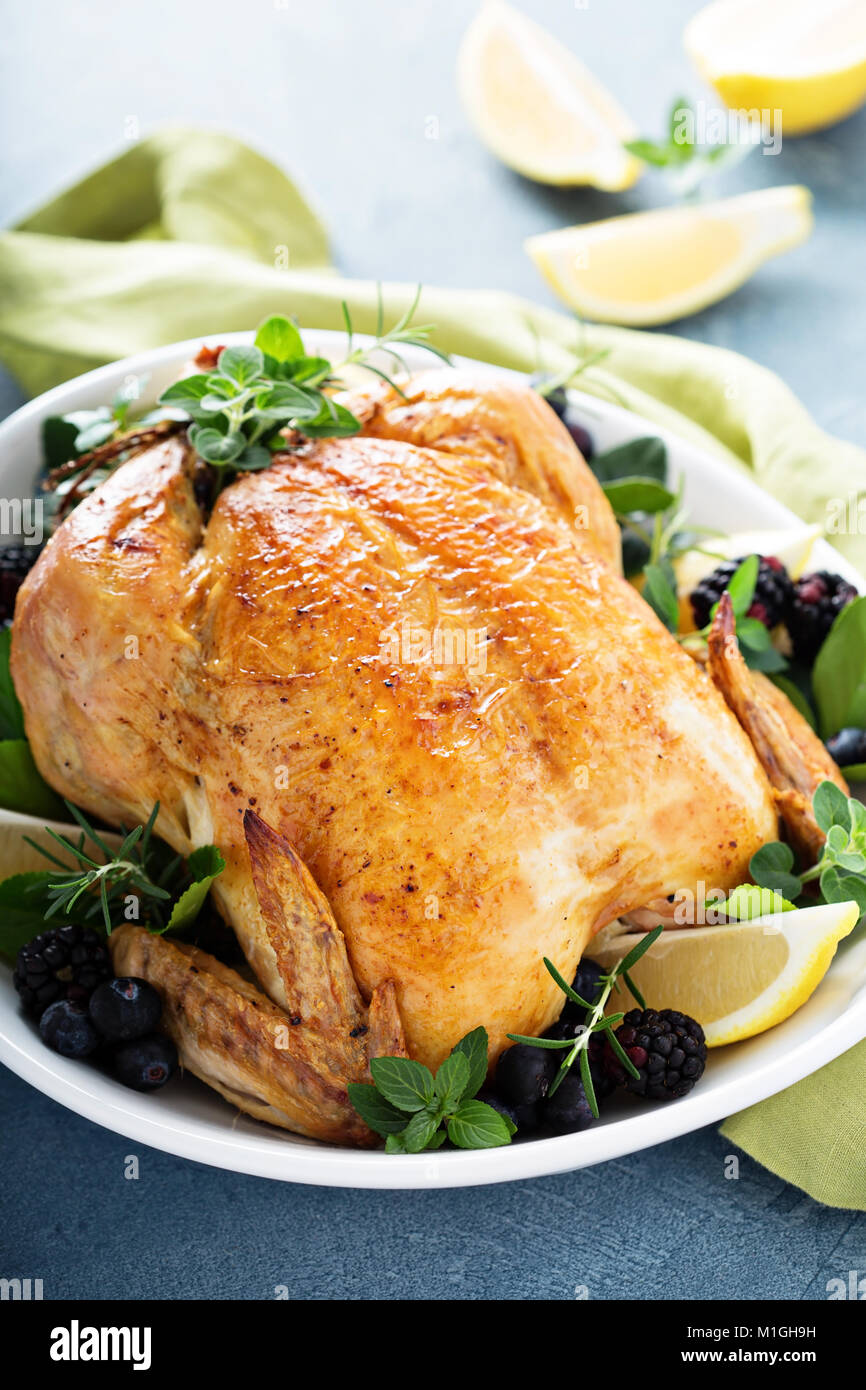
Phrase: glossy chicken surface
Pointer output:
(412, 656)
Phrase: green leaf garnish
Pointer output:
(406, 1084)
(839, 673)
(408, 1106)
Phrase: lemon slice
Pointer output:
(792, 547)
(804, 60)
(538, 108)
(652, 267)
(740, 979)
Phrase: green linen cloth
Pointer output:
(191, 233)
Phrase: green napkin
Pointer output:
(191, 233)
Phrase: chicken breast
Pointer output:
(412, 655)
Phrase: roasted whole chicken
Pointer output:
(400, 681)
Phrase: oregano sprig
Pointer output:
(240, 410)
(840, 871)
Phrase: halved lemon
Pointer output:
(804, 60)
(537, 107)
(792, 547)
(652, 267)
(740, 979)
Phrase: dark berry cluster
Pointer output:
(667, 1048)
(808, 607)
(773, 591)
(64, 979)
(816, 603)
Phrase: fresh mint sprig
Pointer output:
(841, 869)
(576, 1048)
(239, 412)
(414, 1110)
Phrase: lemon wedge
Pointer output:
(792, 547)
(652, 267)
(804, 60)
(740, 979)
(538, 108)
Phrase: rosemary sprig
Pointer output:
(597, 1021)
(91, 888)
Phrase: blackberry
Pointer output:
(64, 963)
(667, 1048)
(773, 591)
(16, 561)
(848, 747)
(816, 603)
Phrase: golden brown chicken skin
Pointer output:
(465, 809)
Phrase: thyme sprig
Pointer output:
(597, 1021)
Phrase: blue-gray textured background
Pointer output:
(342, 93)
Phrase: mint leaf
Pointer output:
(478, 1126)
(474, 1049)
(377, 1113)
(279, 338)
(406, 1084)
(830, 805)
(451, 1081)
(419, 1131)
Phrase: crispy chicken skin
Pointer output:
(464, 815)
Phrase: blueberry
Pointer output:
(66, 1028)
(848, 747)
(492, 1099)
(556, 399)
(586, 983)
(581, 437)
(146, 1063)
(125, 1008)
(567, 1110)
(523, 1075)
